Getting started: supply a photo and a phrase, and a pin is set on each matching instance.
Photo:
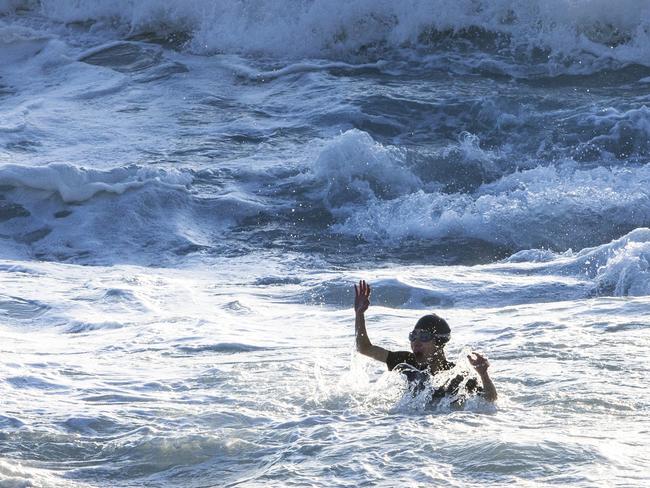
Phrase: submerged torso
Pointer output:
(419, 375)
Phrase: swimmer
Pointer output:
(427, 356)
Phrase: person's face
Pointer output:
(423, 344)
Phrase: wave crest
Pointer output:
(75, 184)
(564, 28)
(63, 212)
(373, 194)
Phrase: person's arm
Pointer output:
(361, 304)
(481, 366)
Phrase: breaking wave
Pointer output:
(374, 194)
(554, 33)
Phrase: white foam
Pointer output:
(19, 43)
(556, 207)
(354, 167)
(74, 184)
(316, 27)
(61, 211)
(532, 256)
(619, 132)
(618, 268)
(297, 68)
(627, 272)
(13, 474)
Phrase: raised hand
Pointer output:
(361, 297)
(479, 362)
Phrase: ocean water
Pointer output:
(189, 190)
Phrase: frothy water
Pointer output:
(188, 191)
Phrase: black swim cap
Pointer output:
(436, 325)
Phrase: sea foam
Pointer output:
(563, 28)
(75, 184)
(374, 194)
(65, 212)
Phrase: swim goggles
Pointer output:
(425, 336)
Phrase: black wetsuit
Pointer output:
(418, 375)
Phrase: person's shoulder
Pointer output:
(398, 357)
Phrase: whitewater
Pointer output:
(189, 191)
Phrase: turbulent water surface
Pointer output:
(188, 191)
